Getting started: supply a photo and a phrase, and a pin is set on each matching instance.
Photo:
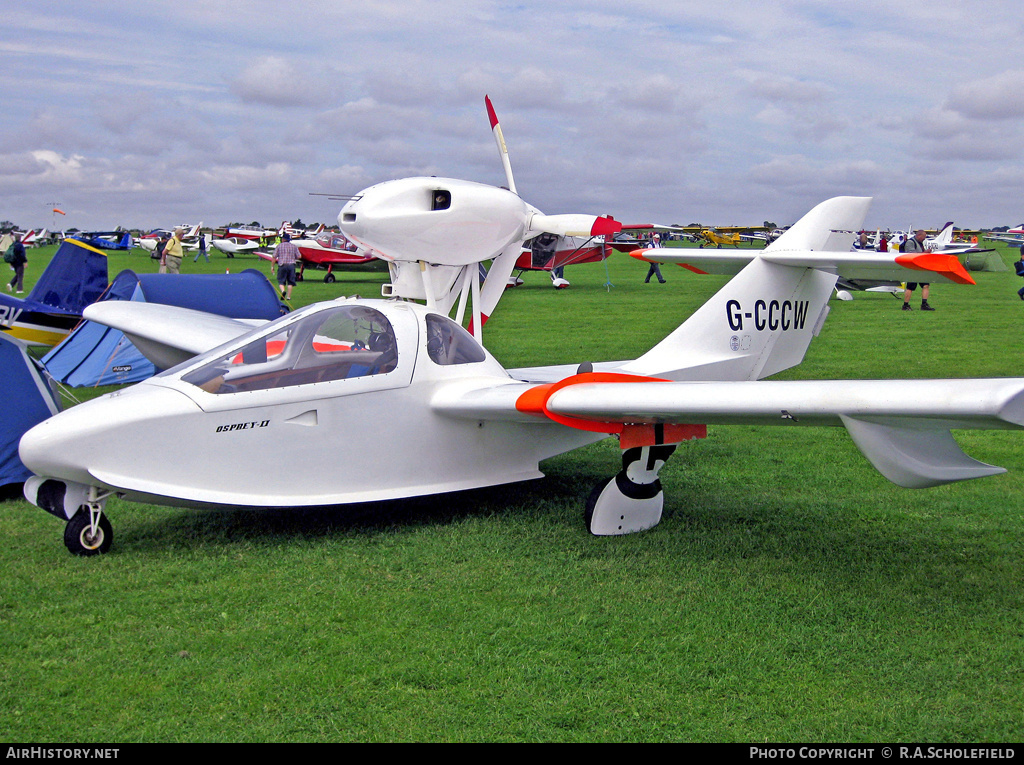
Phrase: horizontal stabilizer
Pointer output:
(848, 264)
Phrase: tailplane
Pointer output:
(764, 319)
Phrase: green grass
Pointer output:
(790, 593)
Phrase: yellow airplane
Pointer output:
(716, 236)
(719, 237)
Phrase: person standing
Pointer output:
(1019, 268)
(18, 261)
(916, 244)
(170, 262)
(286, 255)
(202, 249)
(654, 270)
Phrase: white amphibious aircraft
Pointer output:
(350, 386)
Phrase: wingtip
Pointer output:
(946, 265)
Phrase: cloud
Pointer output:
(788, 89)
(804, 172)
(272, 81)
(995, 98)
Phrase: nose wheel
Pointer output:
(88, 532)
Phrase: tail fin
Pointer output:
(764, 319)
(75, 277)
(944, 237)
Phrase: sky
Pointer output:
(150, 113)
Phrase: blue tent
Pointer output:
(27, 400)
(75, 277)
(97, 355)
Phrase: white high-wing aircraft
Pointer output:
(384, 399)
(189, 239)
(435, 232)
(1013, 237)
(34, 237)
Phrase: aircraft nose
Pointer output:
(52, 448)
(104, 433)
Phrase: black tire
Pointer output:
(329, 279)
(77, 538)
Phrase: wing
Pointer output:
(168, 335)
(901, 426)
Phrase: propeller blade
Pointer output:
(500, 140)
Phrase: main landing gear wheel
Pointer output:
(329, 279)
(80, 539)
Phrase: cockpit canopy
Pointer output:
(340, 343)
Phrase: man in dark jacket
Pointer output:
(18, 262)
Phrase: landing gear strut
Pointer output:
(88, 532)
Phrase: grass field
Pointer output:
(790, 593)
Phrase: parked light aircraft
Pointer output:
(1013, 236)
(234, 245)
(255, 233)
(189, 238)
(33, 238)
(943, 242)
(118, 239)
(385, 399)
(719, 235)
(551, 253)
(718, 238)
(325, 251)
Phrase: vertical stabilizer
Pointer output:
(832, 226)
(75, 277)
(764, 319)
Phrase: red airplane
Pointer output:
(326, 251)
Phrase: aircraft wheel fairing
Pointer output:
(633, 500)
(80, 539)
(611, 512)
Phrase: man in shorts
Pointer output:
(915, 244)
(286, 255)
